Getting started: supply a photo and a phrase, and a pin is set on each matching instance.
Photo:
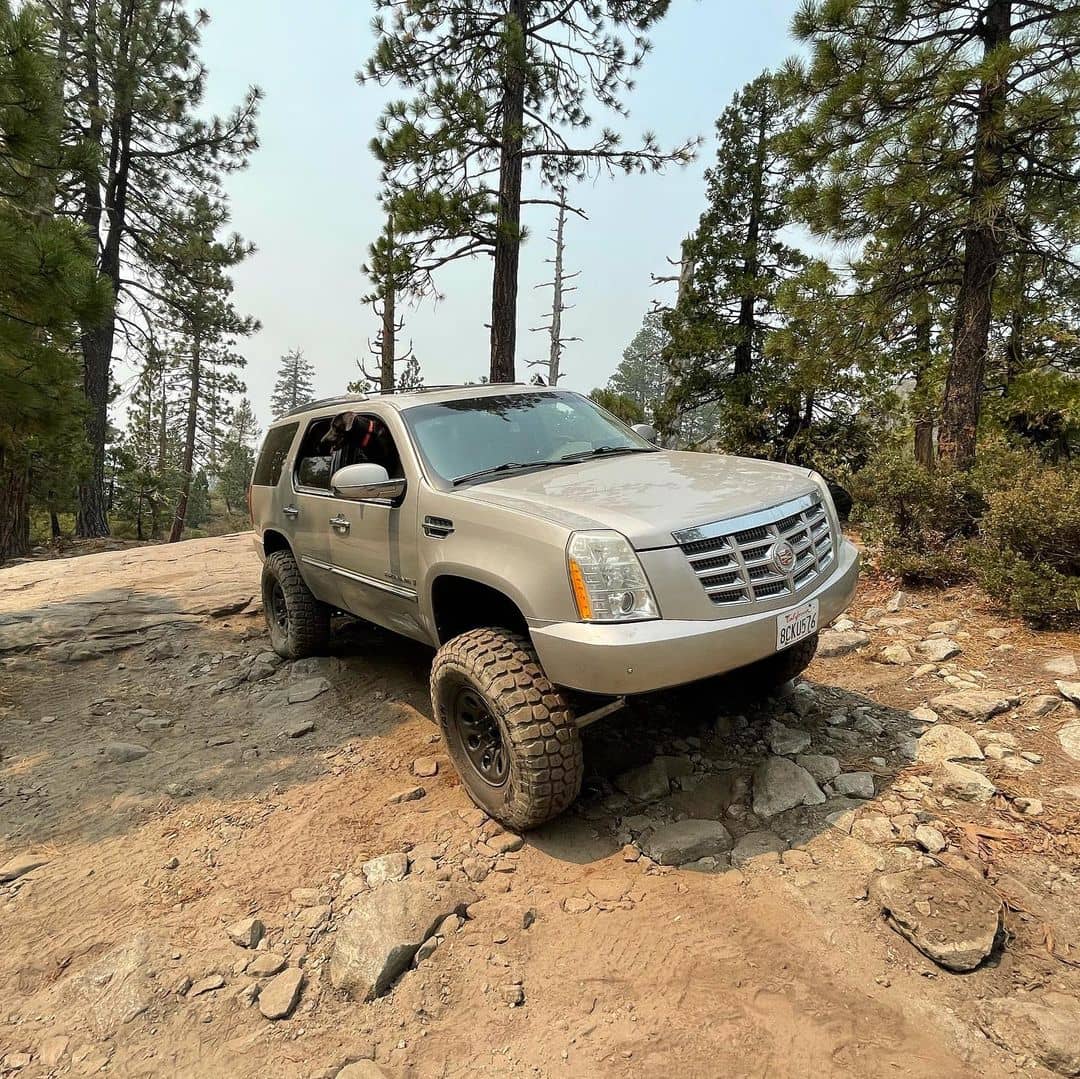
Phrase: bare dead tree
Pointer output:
(559, 290)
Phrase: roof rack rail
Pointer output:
(462, 386)
(323, 402)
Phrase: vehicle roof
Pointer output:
(402, 401)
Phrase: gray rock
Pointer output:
(854, 785)
(1043, 1026)
(922, 714)
(20, 865)
(821, 767)
(409, 794)
(279, 996)
(755, 845)
(947, 743)
(154, 724)
(425, 767)
(1069, 737)
(978, 704)
(297, 728)
(948, 628)
(708, 797)
(125, 752)
(953, 919)
(210, 984)
(834, 643)
(645, 784)
(938, 649)
(1042, 705)
(265, 964)
(872, 828)
(898, 602)
(1070, 690)
(867, 724)
(686, 841)
(387, 867)
(929, 838)
(896, 655)
(1064, 665)
(307, 690)
(785, 741)
(247, 932)
(960, 782)
(780, 784)
(380, 935)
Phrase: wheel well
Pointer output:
(460, 604)
(274, 541)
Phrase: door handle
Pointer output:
(291, 511)
(340, 523)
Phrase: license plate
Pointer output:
(794, 625)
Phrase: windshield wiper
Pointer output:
(605, 451)
(508, 466)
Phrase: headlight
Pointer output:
(607, 580)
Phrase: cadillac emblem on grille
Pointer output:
(783, 556)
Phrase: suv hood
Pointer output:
(648, 496)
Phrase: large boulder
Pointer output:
(1044, 1026)
(952, 919)
(780, 784)
(686, 841)
(380, 935)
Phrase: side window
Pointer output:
(368, 440)
(314, 459)
(272, 456)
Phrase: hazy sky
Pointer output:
(307, 200)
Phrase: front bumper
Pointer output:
(639, 657)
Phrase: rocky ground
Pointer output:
(213, 863)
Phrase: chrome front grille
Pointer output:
(736, 560)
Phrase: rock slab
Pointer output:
(978, 704)
(279, 996)
(1044, 1026)
(380, 935)
(840, 642)
(947, 743)
(780, 784)
(687, 841)
(954, 920)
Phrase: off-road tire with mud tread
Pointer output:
(539, 733)
(308, 630)
(773, 671)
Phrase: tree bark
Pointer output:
(924, 416)
(555, 352)
(14, 506)
(388, 338)
(180, 516)
(504, 282)
(982, 256)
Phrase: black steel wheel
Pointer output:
(299, 624)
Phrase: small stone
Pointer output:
(20, 865)
(154, 724)
(854, 785)
(998, 633)
(868, 724)
(248, 993)
(307, 690)
(1030, 807)
(952, 919)
(409, 794)
(764, 845)
(278, 997)
(780, 784)
(922, 714)
(209, 984)
(821, 767)
(645, 784)
(575, 905)
(505, 842)
(1032, 758)
(898, 601)
(426, 950)
(873, 828)
(929, 838)
(514, 995)
(938, 649)
(15, 1061)
(960, 782)
(785, 741)
(387, 867)
(266, 964)
(309, 897)
(297, 728)
(833, 643)
(948, 628)
(946, 743)
(52, 1050)
(425, 767)
(125, 752)
(247, 932)
(1042, 705)
(607, 889)
(687, 840)
(977, 704)
(895, 654)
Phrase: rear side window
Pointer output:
(314, 458)
(272, 457)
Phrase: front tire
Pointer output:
(299, 624)
(508, 730)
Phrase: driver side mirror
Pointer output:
(366, 483)
(647, 431)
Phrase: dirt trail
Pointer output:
(174, 780)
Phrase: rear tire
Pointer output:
(509, 732)
(299, 624)
(773, 671)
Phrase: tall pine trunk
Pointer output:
(180, 516)
(97, 343)
(14, 506)
(924, 413)
(504, 282)
(982, 255)
(388, 339)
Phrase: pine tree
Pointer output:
(46, 278)
(238, 457)
(642, 375)
(134, 90)
(736, 260)
(560, 289)
(501, 85)
(293, 386)
(964, 92)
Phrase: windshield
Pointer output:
(468, 439)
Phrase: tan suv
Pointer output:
(556, 559)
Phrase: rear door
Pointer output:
(373, 545)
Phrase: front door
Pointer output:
(310, 508)
(373, 544)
